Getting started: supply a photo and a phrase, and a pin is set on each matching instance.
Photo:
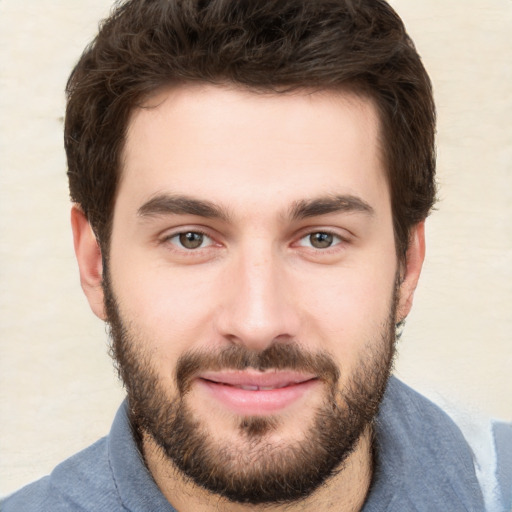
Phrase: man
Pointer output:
(251, 181)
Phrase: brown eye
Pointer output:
(191, 240)
(321, 240)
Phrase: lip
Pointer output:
(256, 393)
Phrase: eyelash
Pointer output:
(337, 240)
(168, 239)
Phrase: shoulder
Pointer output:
(82, 482)
(440, 457)
(491, 443)
(108, 476)
(423, 461)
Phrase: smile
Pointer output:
(256, 393)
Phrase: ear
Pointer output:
(88, 255)
(411, 270)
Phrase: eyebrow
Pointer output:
(331, 204)
(165, 204)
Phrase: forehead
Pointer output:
(237, 146)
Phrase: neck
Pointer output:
(345, 491)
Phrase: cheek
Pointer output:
(168, 312)
(350, 312)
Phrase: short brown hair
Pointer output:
(271, 45)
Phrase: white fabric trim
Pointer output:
(478, 431)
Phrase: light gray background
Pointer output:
(58, 389)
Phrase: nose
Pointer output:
(259, 306)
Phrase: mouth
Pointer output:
(250, 392)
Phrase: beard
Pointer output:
(257, 470)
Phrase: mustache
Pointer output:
(278, 356)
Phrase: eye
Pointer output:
(320, 240)
(190, 240)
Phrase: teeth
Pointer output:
(260, 388)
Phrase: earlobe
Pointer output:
(412, 270)
(88, 255)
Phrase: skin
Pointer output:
(256, 279)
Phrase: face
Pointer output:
(252, 284)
